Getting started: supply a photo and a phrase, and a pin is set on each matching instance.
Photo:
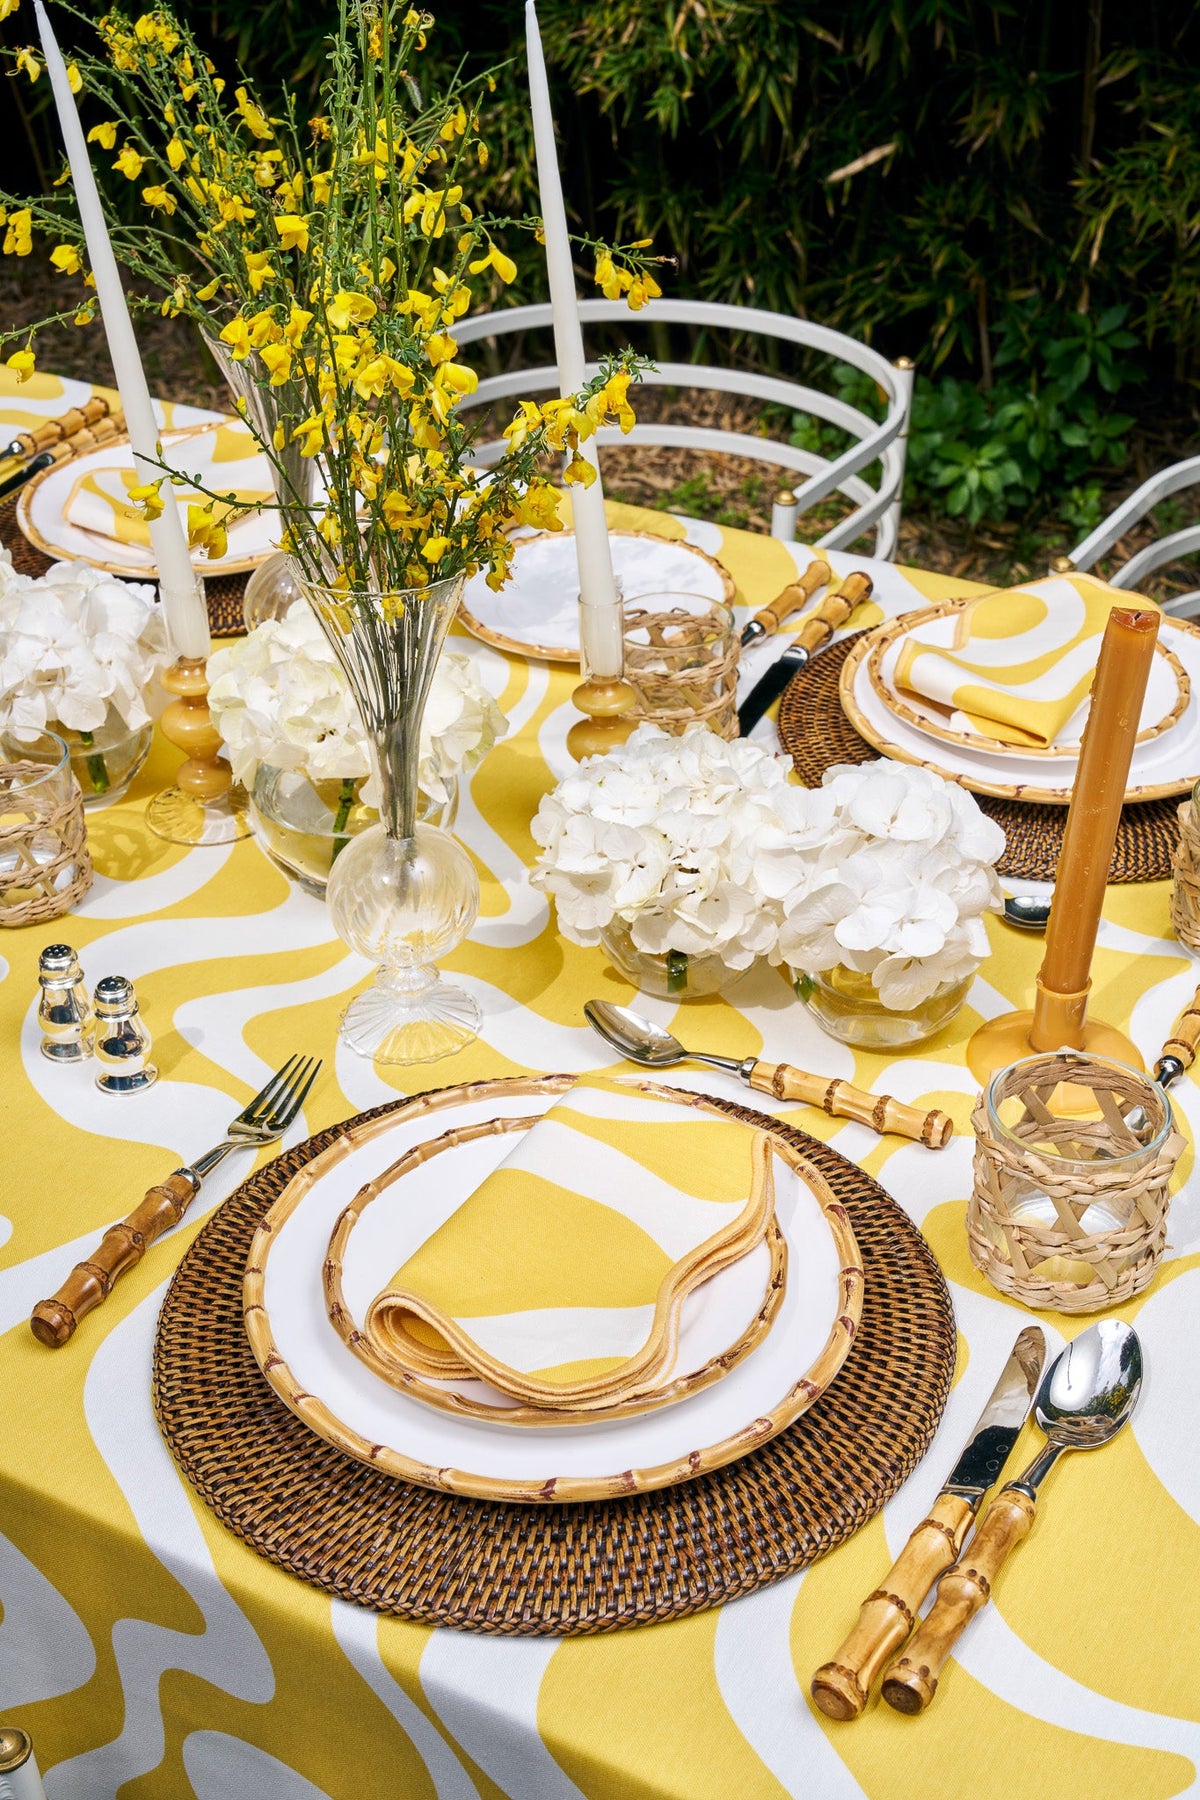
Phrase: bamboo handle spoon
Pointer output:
(645, 1043)
(1086, 1395)
(1179, 1051)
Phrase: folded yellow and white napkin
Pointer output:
(225, 460)
(560, 1279)
(1022, 659)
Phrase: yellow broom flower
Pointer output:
(24, 362)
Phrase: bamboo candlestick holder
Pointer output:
(1058, 1019)
(204, 806)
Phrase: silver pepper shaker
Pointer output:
(19, 1777)
(64, 1010)
(121, 1041)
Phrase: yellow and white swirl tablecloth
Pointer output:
(153, 1655)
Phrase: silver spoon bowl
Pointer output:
(1086, 1395)
(1026, 911)
(649, 1044)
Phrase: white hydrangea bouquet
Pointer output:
(278, 697)
(898, 887)
(80, 656)
(697, 847)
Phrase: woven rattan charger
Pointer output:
(594, 1566)
(816, 734)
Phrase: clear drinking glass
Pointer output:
(681, 659)
(36, 787)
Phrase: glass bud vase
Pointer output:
(402, 893)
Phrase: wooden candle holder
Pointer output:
(608, 716)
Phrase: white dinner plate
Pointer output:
(536, 612)
(1162, 766)
(327, 1386)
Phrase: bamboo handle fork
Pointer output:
(54, 1321)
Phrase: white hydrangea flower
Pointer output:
(74, 642)
(279, 696)
(701, 846)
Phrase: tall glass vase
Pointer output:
(274, 413)
(401, 892)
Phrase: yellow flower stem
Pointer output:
(345, 802)
(97, 768)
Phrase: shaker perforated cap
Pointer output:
(114, 994)
(56, 959)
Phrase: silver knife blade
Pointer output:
(999, 1424)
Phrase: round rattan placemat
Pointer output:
(554, 1570)
(223, 593)
(816, 733)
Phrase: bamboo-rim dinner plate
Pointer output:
(340, 1399)
(536, 612)
(1167, 692)
(1164, 766)
(41, 515)
(720, 1323)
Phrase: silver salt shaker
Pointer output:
(121, 1040)
(64, 1010)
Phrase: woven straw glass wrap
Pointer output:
(568, 1569)
(1185, 865)
(1099, 1233)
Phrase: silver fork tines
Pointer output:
(268, 1115)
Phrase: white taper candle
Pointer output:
(182, 598)
(601, 622)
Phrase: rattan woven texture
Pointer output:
(222, 592)
(561, 1570)
(60, 874)
(816, 733)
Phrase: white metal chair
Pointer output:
(1164, 550)
(885, 442)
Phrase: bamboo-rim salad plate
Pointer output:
(340, 1397)
(1165, 764)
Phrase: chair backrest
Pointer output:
(883, 442)
(1110, 531)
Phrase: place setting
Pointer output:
(991, 692)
